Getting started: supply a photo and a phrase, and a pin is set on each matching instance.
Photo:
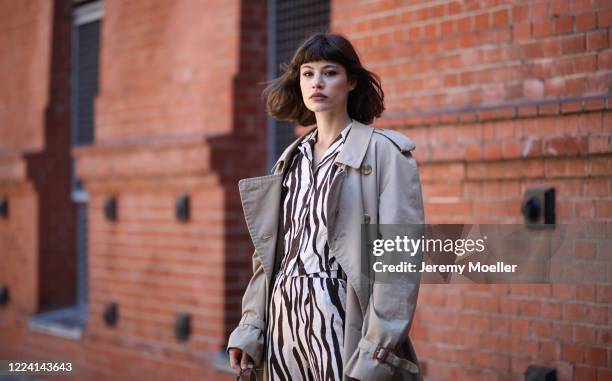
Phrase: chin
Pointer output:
(319, 108)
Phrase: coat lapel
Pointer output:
(352, 152)
(261, 196)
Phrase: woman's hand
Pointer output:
(239, 359)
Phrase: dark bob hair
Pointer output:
(284, 97)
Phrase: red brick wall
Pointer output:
(501, 96)
(25, 75)
(25, 72)
(178, 111)
(37, 240)
(458, 53)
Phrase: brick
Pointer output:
(584, 373)
(473, 152)
(538, 10)
(594, 104)
(586, 21)
(532, 89)
(589, 122)
(568, 107)
(521, 31)
(551, 310)
(604, 294)
(519, 327)
(543, 28)
(596, 40)
(604, 60)
(525, 111)
(588, 64)
(531, 147)
(558, 7)
(604, 18)
(604, 336)
(595, 187)
(511, 149)
(604, 374)
(562, 331)
(597, 314)
(529, 307)
(604, 208)
(598, 144)
(572, 352)
(573, 44)
(574, 312)
(565, 146)
(519, 12)
(596, 356)
(541, 328)
(563, 291)
(586, 334)
(491, 151)
(549, 349)
(564, 24)
(601, 166)
(585, 292)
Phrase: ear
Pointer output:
(352, 84)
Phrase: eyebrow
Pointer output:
(310, 67)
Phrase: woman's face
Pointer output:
(328, 79)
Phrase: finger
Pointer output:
(234, 357)
(246, 361)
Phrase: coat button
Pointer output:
(366, 169)
(366, 218)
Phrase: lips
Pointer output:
(317, 96)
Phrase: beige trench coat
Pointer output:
(380, 184)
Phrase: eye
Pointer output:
(331, 73)
(306, 74)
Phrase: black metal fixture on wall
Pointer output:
(4, 207)
(540, 373)
(182, 326)
(111, 314)
(110, 208)
(182, 208)
(4, 295)
(538, 208)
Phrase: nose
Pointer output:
(318, 82)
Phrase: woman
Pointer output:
(313, 310)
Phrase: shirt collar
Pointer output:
(352, 153)
(313, 136)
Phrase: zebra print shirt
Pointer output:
(304, 208)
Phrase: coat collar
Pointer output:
(352, 152)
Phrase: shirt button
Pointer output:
(366, 169)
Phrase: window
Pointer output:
(69, 322)
(289, 22)
(85, 53)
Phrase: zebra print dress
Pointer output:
(305, 333)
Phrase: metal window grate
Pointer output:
(87, 18)
(87, 47)
(292, 21)
(82, 237)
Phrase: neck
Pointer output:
(329, 126)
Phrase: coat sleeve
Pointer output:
(393, 298)
(249, 334)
